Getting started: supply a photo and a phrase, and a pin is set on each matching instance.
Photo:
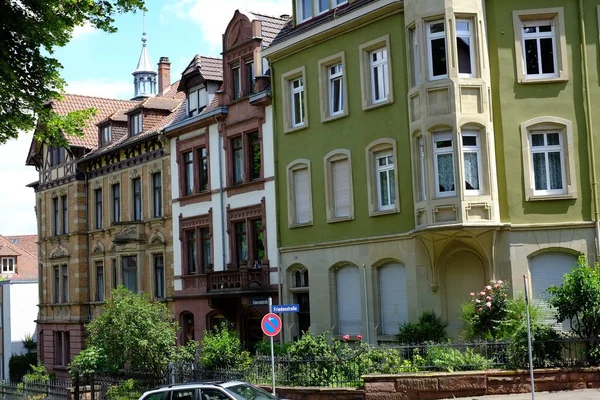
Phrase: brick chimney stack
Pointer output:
(164, 75)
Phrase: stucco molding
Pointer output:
(59, 252)
(98, 248)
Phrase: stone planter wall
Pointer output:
(438, 385)
(316, 393)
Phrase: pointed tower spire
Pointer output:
(144, 76)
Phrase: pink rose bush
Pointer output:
(486, 311)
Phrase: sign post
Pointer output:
(529, 336)
(271, 326)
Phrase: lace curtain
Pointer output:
(445, 163)
(471, 166)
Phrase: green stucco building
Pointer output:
(426, 147)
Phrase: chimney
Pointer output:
(164, 75)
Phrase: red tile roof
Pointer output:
(210, 68)
(105, 107)
(24, 249)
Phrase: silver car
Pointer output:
(233, 390)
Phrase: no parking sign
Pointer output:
(271, 324)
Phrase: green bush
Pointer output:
(21, 364)
(546, 349)
(263, 348)
(125, 390)
(222, 349)
(430, 328)
(38, 373)
(89, 360)
(449, 359)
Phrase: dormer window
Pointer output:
(306, 9)
(135, 124)
(56, 155)
(236, 81)
(196, 101)
(8, 265)
(105, 135)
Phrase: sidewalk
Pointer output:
(588, 394)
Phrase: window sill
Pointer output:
(340, 219)
(302, 225)
(373, 106)
(245, 187)
(566, 196)
(334, 118)
(194, 198)
(377, 213)
(532, 81)
(296, 129)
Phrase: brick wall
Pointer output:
(437, 385)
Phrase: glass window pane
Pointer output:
(531, 57)
(383, 188)
(547, 50)
(545, 28)
(438, 57)
(392, 183)
(463, 46)
(553, 139)
(445, 164)
(437, 27)
(468, 140)
(471, 171)
(555, 170)
(537, 140)
(440, 144)
(297, 108)
(462, 26)
(539, 171)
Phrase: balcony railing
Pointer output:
(237, 280)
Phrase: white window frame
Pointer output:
(10, 262)
(537, 36)
(471, 37)
(546, 149)
(430, 38)
(300, 17)
(297, 92)
(289, 93)
(381, 44)
(421, 169)
(568, 158)
(472, 150)
(334, 77)
(380, 65)
(554, 16)
(237, 91)
(438, 137)
(373, 151)
(326, 87)
(316, 7)
(330, 200)
(291, 168)
(387, 155)
(413, 59)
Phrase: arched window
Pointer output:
(393, 297)
(187, 323)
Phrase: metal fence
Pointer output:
(53, 390)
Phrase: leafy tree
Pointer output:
(577, 300)
(221, 348)
(29, 75)
(131, 329)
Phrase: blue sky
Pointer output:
(100, 64)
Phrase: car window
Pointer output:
(250, 392)
(155, 396)
(184, 394)
(213, 394)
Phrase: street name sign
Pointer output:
(285, 308)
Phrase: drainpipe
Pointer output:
(368, 332)
(589, 125)
(276, 194)
(222, 200)
(87, 243)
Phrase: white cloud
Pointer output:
(119, 89)
(83, 30)
(213, 17)
(16, 200)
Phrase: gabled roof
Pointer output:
(289, 30)
(270, 26)
(156, 103)
(209, 68)
(25, 249)
(105, 107)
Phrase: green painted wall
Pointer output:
(514, 103)
(354, 133)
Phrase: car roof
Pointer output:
(196, 385)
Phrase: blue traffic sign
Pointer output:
(283, 308)
(271, 324)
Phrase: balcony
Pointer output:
(243, 280)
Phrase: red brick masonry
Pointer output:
(439, 385)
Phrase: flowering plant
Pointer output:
(487, 311)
